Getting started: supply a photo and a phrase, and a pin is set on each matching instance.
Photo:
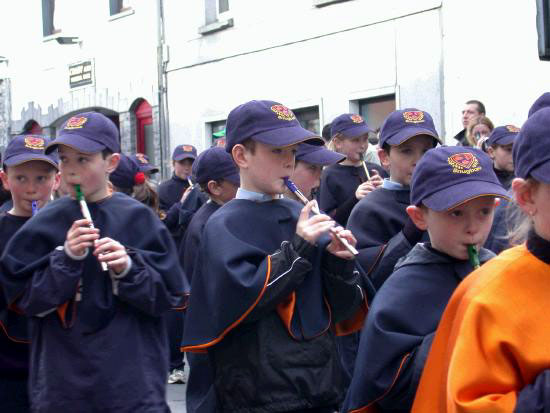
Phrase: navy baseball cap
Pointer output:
(143, 162)
(182, 152)
(402, 125)
(88, 132)
(215, 163)
(267, 122)
(503, 135)
(317, 155)
(531, 150)
(127, 173)
(25, 148)
(350, 125)
(448, 176)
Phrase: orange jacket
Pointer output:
(493, 339)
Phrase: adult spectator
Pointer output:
(472, 110)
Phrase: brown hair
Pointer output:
(481, 120)
(147, 195)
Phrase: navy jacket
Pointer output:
(97, 343)
(14, 347)
(384, 232)
(338, 186)
(171, 191)
(400, 328)
(263, 305)
(497, 241)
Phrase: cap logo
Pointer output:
(464, 163)
(33, 142)
(283, 112)
(76, 122)
(141, 157)
(414, 116)
(512, 128)
(187, 148)
(356, 119)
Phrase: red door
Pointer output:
(144, 116)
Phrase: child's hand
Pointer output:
(113, 253)
(311, 229)
(368, 186)
(336, 247)
(186, 193)
(80, 237)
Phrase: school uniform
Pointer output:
(171, 191)
(338, 186)
(265, 305)
(498, 239)
(505, 178)
(503, 135)
(399, 331)
(383, 230)
(98, 342)
(14, 340)
(200, 394)
(493, 326)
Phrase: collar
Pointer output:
(503, 174)
(539, 247)
(394, 186)
(254, 196)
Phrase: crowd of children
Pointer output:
(294, 277)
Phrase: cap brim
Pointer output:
(150, 169)
(184, 156)
(76, 142)
(409, 133)
(458, 194)
(321, 156)
(356, 131)
(291, 135)
(27, 157)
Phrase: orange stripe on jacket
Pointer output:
(201, 347)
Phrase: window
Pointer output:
(217, 133)
(216, 16)
(48, 8)
(323, 3)
(543, 29)
(308, 118)
(119, 6)
(375, 110)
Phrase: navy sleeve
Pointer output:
(535, 397)
(289, 265)
(143, 288)
(172, 217)
(51, 286)
(341, 214)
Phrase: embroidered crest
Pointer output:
(32, 142)
(512, 128)
(415, 116)
(356, 119)
(283, 112)
(464, 163)
(141, 158)
(76, 122)
(187, 148)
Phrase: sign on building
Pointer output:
(81, 74)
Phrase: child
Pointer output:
(172, 190)
(453, 193)
(310, 160)
(270, 284)
(499, 148)
(144, 165)
(98, 342)
(490, 352)
(345, 183)
(218, 176)
(380, 222)
(31, 176)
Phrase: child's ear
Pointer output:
(4, 177)
(384, 158)
(523, 194)
(417, 216)
(491, 152)
(240, 157)
(214, 188)
(57, 181)
(112, 162)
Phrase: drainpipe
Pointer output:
(162, 62)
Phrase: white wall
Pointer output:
(301, 55)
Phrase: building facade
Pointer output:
(169, 71)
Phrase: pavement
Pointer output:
(175, 394)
